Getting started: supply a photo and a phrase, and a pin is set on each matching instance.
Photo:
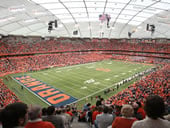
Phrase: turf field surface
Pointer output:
(79, 81)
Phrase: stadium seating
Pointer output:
(155, 83)
(21, 54)
(10, 65)
(6, 95)
(20, 45)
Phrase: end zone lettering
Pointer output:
(46, 92)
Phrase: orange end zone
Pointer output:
(45, 92)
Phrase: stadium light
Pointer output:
(52, 24)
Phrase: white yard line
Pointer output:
(116, 76)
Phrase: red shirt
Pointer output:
(95, 113)
(121, 122)
(39, 124)
(70, 113)
(142, 112)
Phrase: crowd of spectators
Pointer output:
(131, 51)
(20, 115)
(6, 95)
(151, 114)
(154, 83)
(31, 63)
(143, 59)
(153, 55)
(21, 45)
(10, 65)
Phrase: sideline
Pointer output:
(119, 83)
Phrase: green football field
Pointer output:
(80, 81)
